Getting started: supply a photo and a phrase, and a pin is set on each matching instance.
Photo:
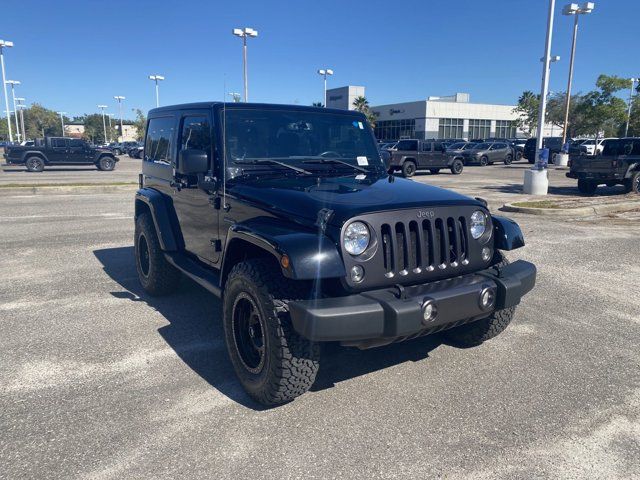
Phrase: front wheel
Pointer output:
(273, 363)
(34, 164)
(586, 187)
(408, 169)
(106, 164)
(457, 166)
(632, 184)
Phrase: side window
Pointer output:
(59, 142)
(76, 143)
(426, 146)
(196, 134)
(159, 142)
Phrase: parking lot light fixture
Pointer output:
(13, 84)
(324, 72)
(62, 120)
(236, 96)
(626, 128)
(110, 116)
(21, 106)
(156, 79)
(104, 123)
(576, 11)
(119, 99)
(6, 44)
(244, 33)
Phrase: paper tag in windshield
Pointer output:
(360, 126)
(362, 161)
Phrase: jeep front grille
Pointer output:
(424, 245)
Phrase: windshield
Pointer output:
(481, 146)
(294, 136)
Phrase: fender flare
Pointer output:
(507, 233)
(105, 154)
(34, 153)
(156, 204)
(312, 255)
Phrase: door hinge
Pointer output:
(216, 244)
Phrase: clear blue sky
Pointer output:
(74, 55)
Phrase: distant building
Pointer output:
(76, 130)
(343, 97)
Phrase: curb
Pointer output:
(574, 212)
(66, 189)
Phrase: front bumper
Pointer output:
(394, 313)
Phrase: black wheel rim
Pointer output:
(410, 169)
(248, 333)
(484, 162)
(33, 164)
(106, 163)
(636, 184)
(143, 255)
(457, 167)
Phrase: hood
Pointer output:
(346, 197)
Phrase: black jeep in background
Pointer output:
(288, 214)
(619, 164)
(53, 151)
(554, 144)
(413, 155)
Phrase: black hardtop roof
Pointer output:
(257, 106)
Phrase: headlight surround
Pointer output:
(478, 224)
(356, 238)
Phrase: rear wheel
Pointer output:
(633, 184)
(457, 166)
(508, 159)
(273, 363)
(586, 187)
(34, 164)
(484, 161)
(408, 168)
(478, 332)
(518, 156)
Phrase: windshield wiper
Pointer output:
(267, 161)
(336, 161)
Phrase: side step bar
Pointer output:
(202, 276)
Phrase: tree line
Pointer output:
(41, 122)
(601, 111)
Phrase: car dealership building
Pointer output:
(452, 116)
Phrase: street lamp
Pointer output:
(157, 78)
(62, 120)
(324, 72)
(633, 81)
(236, 96)
(110, 116)
(244, 34)
(7, 44)
(576, 11)
(120, 98)
(22, 106)
(13, 84)
(104, 123)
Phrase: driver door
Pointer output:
(194, 207)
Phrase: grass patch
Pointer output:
(37, 185)
(537, 204)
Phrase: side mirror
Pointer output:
(192, 161)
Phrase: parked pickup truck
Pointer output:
(287, 213)
(52, 151)
(413, 155)
(619, 164)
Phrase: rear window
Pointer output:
(621, 147)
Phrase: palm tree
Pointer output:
(361, 104)
(317, 104)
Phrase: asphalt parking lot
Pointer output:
(101, 381)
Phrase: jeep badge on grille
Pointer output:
(426, 214)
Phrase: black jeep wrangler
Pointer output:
(289, 215)
(619, 164)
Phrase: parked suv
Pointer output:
(487, 153)
(413, 155)
(288, 214)
(554, 144)
(619, 164)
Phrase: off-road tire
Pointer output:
(632, 184)
(290, 362)
(117, 152)
(457, 166)
(409, 168)
(484, 161)
(106, 163)
(586, 187)
(34, 164)
(157, 276)
(475, 333)
(508, 160)
(434, 171)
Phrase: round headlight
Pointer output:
(356, 238)
(478, 224)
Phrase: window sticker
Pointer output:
(362, 161)
(360, 126)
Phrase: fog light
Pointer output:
(486, 254)
(429, 311)
(357, 273)
(487, 298)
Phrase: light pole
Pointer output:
(22, 106)
(13, 84)
(120, 98)
(244, 34)
(62, 120)
(324, 72)
(157, 78)
(104, 123)
(626, 128)
(109, 116)
(7, 44)
(573, 9)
